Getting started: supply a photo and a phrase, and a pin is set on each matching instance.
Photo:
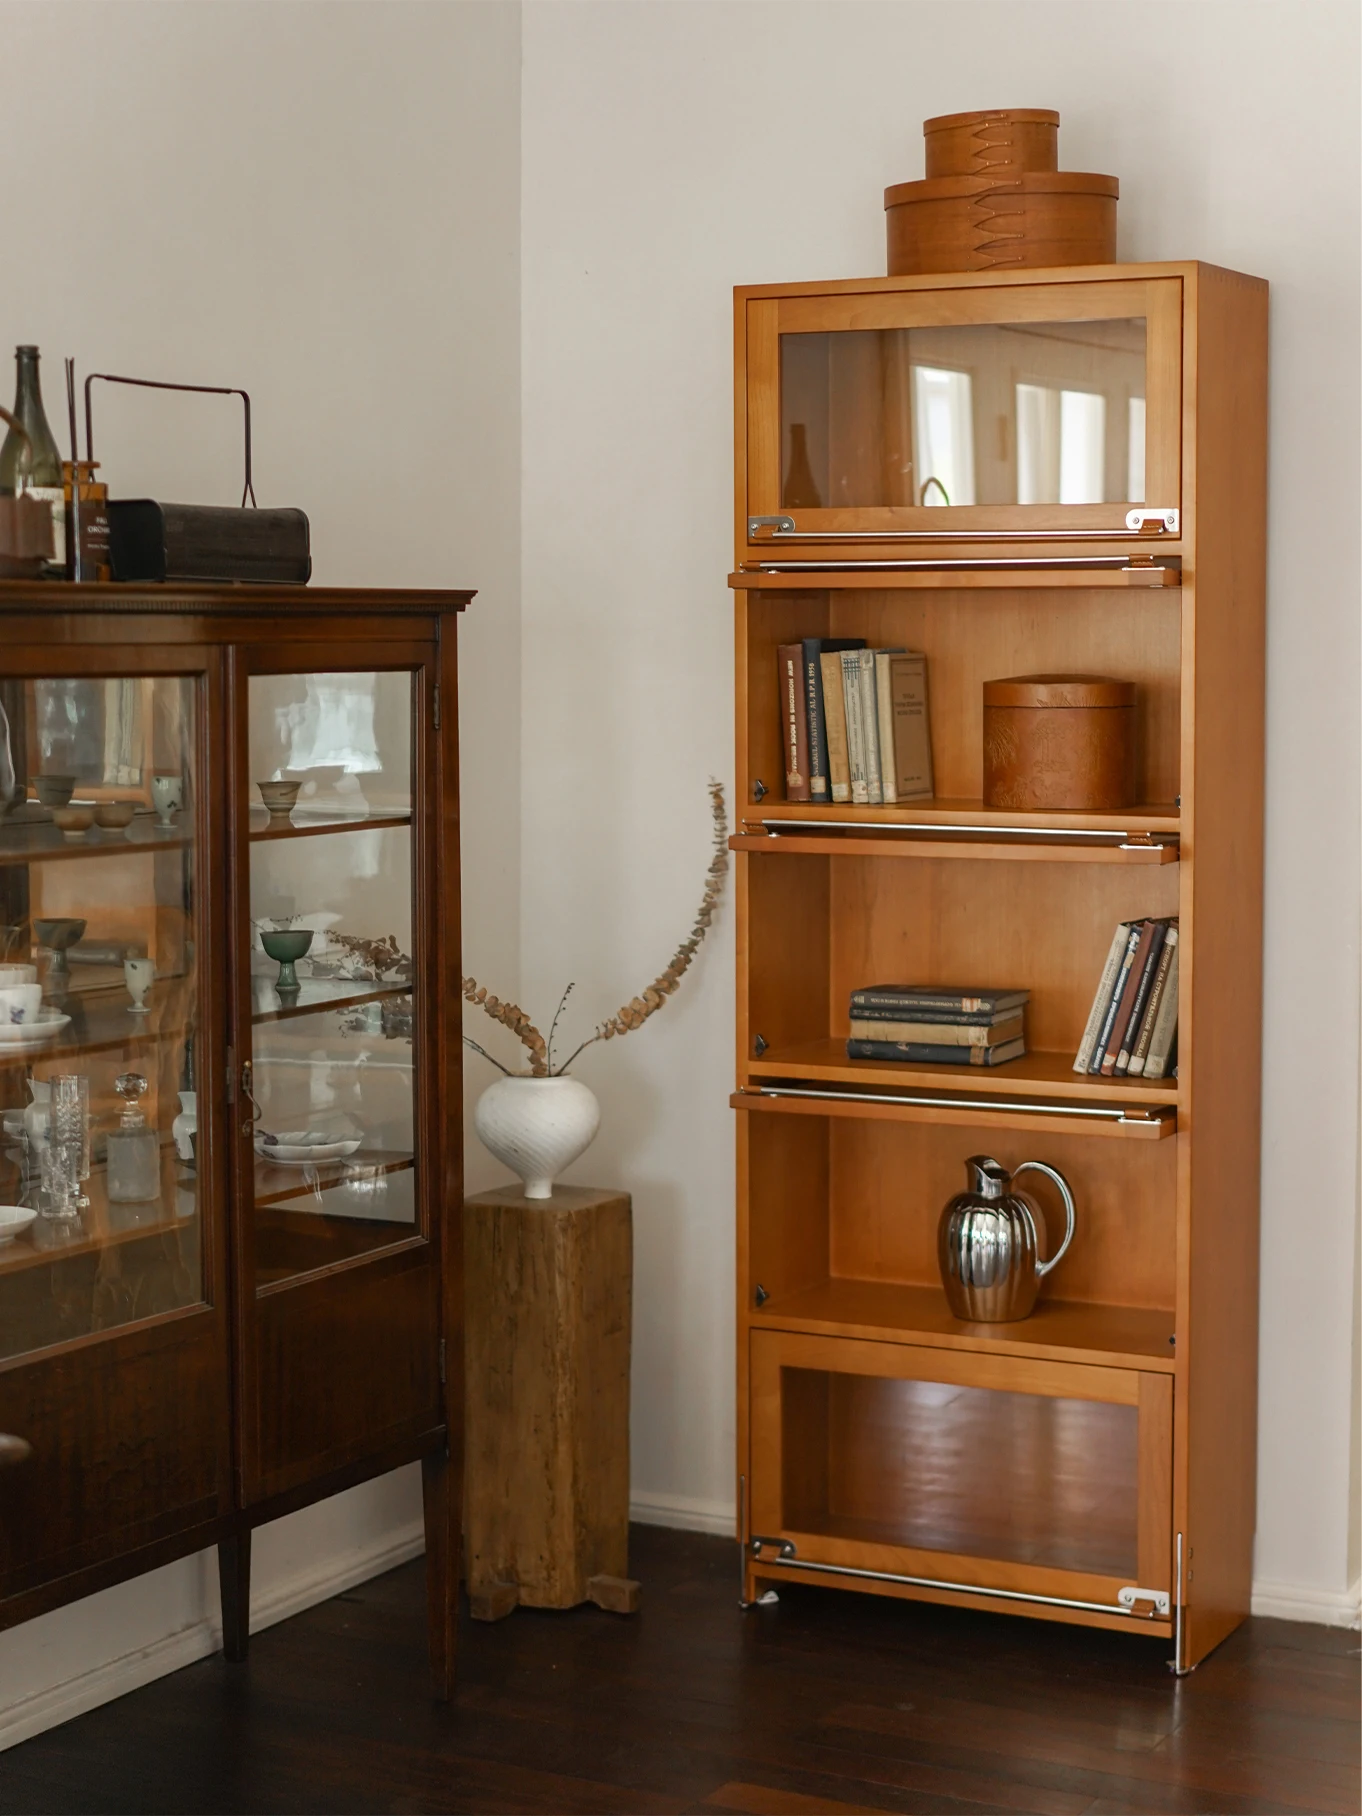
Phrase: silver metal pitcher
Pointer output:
(989, 1240)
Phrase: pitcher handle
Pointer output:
(1039, 1166)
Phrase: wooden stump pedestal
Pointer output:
(548, 1291)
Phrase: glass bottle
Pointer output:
(41, 475)
(134, 1153)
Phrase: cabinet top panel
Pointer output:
(976, 280)
(236, 601)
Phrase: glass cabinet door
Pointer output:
(1030, 409)
(1048, 1478)
(335, 1083)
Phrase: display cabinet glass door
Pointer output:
(112, 1350)
(334, 945)
(1048, 1478)
(1049, 408)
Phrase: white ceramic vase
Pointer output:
(185, 1125)
(537, 1126)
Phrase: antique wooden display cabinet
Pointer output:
(275, 1314)
(1015, 473)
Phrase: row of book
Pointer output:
(854, 722)
(932, 1024)
(1133, 1023)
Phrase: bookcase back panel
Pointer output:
(1040, 927)
(888, 1183)
(973, 636)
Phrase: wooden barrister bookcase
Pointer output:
(1016, 473)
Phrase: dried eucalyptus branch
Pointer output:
(513, 1018)
(469, 1042)
(553, 1026)
(635, 1012)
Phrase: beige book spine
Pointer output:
(874, 790)
(912, 739)
(884, 719)
(835, 724)
(851, 695)
(939, 1034)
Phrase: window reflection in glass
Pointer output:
(988, 414)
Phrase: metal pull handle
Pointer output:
(1148, 520)
(1039, 1166)
(247, 1082)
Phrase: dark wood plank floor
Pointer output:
(829, 1702)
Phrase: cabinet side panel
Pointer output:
(1223, 1019)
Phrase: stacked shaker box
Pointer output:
(930, 1024)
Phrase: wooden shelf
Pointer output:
(1152, 817)
(317, 994)
(1060, 1330)
(102, 1028)
(981, 568)
(104, 1225)
(967, 847)
(37, 841)
(276, 1185)
(311, 826)
(1033, 1075)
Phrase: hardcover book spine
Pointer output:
(911, 741)
(1166, 1027)
(1127, 1001)
(1102, 999)
(851, 695)
(790, 657)
(1155, 1003)
(870, 727)
(813, 709)
(920, 1053)
(884, 722)
(943, 1033)
(1113, 1007)
(835, 727)
(928, 1007)
(1141, 998)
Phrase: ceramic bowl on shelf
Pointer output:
(22, 1036)
(14, 1220)
(113, 815)
(305, 1147)
(74, 822)
(57, 935)
(286, 948)
(53, 790)
(279, 797)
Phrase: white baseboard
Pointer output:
(684, 1512)
(1295, 1602)
(60, 1702)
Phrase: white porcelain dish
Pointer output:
(296, 1149)
(33, 1034)
(14, 1220)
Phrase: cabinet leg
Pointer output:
(234, 1583)
(443, 1521)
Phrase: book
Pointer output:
(794, 720)
(851, 697)
(1114, 1002)
(814, 650)
(874, 785)
(919, 1053)
(938, 1018)
(1129, 987)
(937, 1000)
(1102, 997)
(1140, 1000)
(905, 736)
(1164, 1033)
(1140, 1051)
(835, 726)
(941, 1033)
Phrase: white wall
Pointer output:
(670, 151)
(320, 204)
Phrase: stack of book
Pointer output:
(854, 722)
(936, 1024)
(1133, 1023)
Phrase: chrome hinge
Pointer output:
(442, 1362)
(1154, 520)
(1159, 1599)
(785, 524)
(435, 705)
(231, 1075)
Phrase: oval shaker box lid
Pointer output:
(1022, 182)
(1029, 116)
(1059, 691)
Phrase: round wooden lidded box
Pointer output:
(1059, 742)
(993, 198)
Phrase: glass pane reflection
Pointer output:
(98, 912)
(1010, 413)
(332, 1010)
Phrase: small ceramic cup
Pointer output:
(167, 795)
(114, 814)
(74, 822)
(279, 797)
(54, 790)
(20, 1003)
(138, 974)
